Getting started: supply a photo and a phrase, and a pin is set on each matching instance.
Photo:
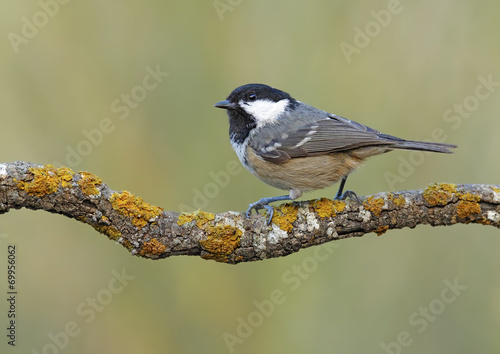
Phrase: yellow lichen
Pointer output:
(374, 205)
(483, 221)
(65, 175)
(496, 189)
(443, 193)
(327, 208)
(88, 183)
(81, 219)
(338, 206)
(110, 231)
(103, 227)
(126, 243)
(469, 197)
(199, 216)
(466, 208)
(221, 241)
(129, 205)
(439, 193)
(46, 180)
(152, 248)
(399, 201)
(381, 229)
(284, 216)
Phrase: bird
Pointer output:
(293, 146)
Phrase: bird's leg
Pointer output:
(346, 194)
(264, 204)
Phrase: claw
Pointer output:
(255, 206)
(264, 204)
(270, 212)
(348, 194)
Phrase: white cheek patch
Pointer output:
(264, 111)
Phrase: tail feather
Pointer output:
(424, 146)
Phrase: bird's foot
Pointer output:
(264, 204)
(257, 206)
(348, 194)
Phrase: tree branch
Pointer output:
(148, 231)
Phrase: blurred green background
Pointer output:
(67, 69)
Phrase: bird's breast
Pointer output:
(303, 173)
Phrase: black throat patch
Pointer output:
(240, 125)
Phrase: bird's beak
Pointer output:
(225, 104)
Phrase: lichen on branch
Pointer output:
(148, 231)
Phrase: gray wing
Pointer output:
(332, 134)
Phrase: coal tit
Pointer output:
(296, 147)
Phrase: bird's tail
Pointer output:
(424, 146)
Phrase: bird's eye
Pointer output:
(252, 97)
